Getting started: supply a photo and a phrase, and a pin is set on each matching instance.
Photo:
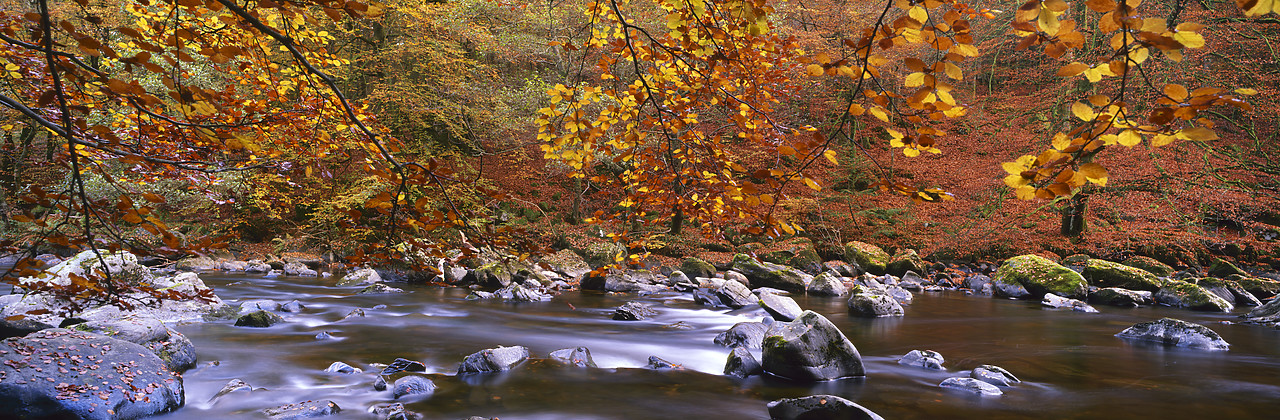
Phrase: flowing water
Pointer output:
(1071, 363)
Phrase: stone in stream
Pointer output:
(292, 306)
(324, 335)
(378, 289)
(516, 292)
(741, 364)
(743, 334)
(633, 311)
(842, 269)
(1104, 273)
(355, 313)
(259, 319)
(303, 410)
(360, 277)
(1054, 301)
(782, 308)
(403, 365)
(177, 352)
(927, 359)
(412, 385)
(912, 281)
(1114, 296)
(1229, 291)
(874, 305)
(659, 363)
(809, 349)
(971, 385)
(763, 274)
(994, 375)
(1268, 314)
(339, 367)
(1038, 276)
(131, 383)
(899, 294)
(826, 284)
(816, 407)
(707, 297)
(494, 360)
(1176, 332)
(235, 385)
(735, 295)
(578, 356)
(976, 283)
(1180, 294)
(393, 412)
(250, 306)
(379, 383)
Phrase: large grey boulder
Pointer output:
(494, 360)
(102, 378)
(412, 385)
(1115, 296)
(615, 280)
(1058, 302)
(819, 407)
(781, 308)
(826, 284)
(177, 352)
(735, 295)
(633, 311)
(1039, 275)
(743, 334)
(259, 319)
(808, 349)
(519, 293)
(763, 274)
(1176, 332)
(870, 305)
(1229, 291)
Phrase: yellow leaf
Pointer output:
(1013, 168)
(1048, 21)
(1246, 91)
(1198, 134)
(1189, 39)
(1175, 91)
(815, 70)
(910, 152)
(1129, 138)
(831, 156)
(967, 50)
(1061, 141)
(1162, 139)
(1138, 55)
(1095, 173)
(1072, 69)
(785, 150)
(953, 71)
(879, 113)
(813, 185)
(919, 14)
(1108, 139)
(1026, 192)
(1082, 111)
(914, 79)
(856, 109)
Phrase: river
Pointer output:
(1071, 363)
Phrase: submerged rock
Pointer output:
(810, 348)
(633, 311)
(339, 367)
(235, 385)
(971, 385)
(741, 363)
(412, 385)
(578, 356)
(743, 334)
(994, 375)
(817, 407)
(927, 359)
(303, 410)
(659, 363)
(494, 360)
(1176, 332)
(259, 319)
(1054, 301)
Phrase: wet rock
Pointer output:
(994, 375)
(782, 308)
(339, 367)
(177, 352)
(292, 306)
(355, 313)
(520, 293)
(912, 281)
(1038, 276)
(403, 365)
(577, 356)
(303, 410)
(971, 385)
(735, 295)
(494, 360)
(868, 256)
(295, 269)
(412, 385)
(817, 407)
(1180, 294)
(707, 297)
(259, 319)
(826, 284)
(1009, 290)
(1058, 302)
(255, 305)
(235, 385)
(743, 334)
(732, 275)
(379, 383)
(1229, 291)
(20, 327)
(927, 359)
(741, 364)
(1258, 287)
(763, 274)
(1114, 296)
(905, 261)
(480, 295)
(273, 274)
(393, 412)
(1150, 265)
(1268, 314)
(899, 294)
(633, 311)
(81, 390)
(1224, 268)
(1103, 273)
(491, 275)
(1176, 332)
(379, 288)
(360, 277)
(659, 363)
(614, 280)
(843, 269)
(234, 266)
(257, 266)
(696, 267)
(873, 305)
(810, 348)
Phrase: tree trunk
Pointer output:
(1073, 215)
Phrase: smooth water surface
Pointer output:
(1071, 363)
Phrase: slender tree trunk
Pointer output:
(1073, 215)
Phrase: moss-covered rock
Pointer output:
(904, 261)
(810, 349)
(600, 254)
(806, 260)
(763, 274)
(1104, 273)
(1151, 265)
(868, 256)
(1078, 260)
(491, 275)
(1181, 294)
(1268, 314)
(1229, 291)
(1224, 268)
(695, 267)
(1259, 287)
(259, 319)
(1039, 276)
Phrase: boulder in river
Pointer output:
(303, 410)
(102, 378)
(927, 359)
(870, 305)
(615, 280)
(743, 334)
(815, 407)
(977, 281)
(360, 277)
(255, 305)
(633, 311)
(870, 257)
(735, 295)
(393, 412)
(1259, 287)
(808, 349)
(763, 274)
(259, 319)
(235, 385)
(782, 308)
(1229, 291)
(695, 267)
(1176, 332)
(172, 347)
(1115, 296)
(971, 385)
(516, 292)
(899, 294)
(496, 359)
(403, 365)
(1058, 302)
(1151, 265)
(1103, 273)
(1180, 294)
(741, 363)
(659, 363)
(826, 284)
(412, 385)
(340, 367)
(1268, 314)
(379, 289)
(1038, 276)
(20, 327)
(905, 261)
(577, 356)
(994, 375)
